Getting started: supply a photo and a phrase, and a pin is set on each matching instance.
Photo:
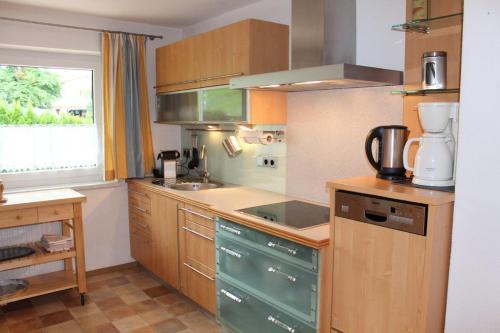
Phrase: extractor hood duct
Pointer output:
(323, 52)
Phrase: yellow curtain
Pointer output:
(128, 146)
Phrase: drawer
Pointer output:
(139, 221)
(199, 285)
(198, 215)
(285, 249)
(199, 243)
(18, 217)
(55, 213)
(139, 202)
(245, 313)
(292, 288)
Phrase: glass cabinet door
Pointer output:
(223, 105)
(178, 107)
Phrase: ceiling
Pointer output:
(172, 13)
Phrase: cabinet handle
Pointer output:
(230, 296)
(176, 83)
(220, 76)
(280, 324)
(231, 252)
(278, 246)
(230, 230)
(199, 272)
(139, 193)
(198, 234)
(196, 213)
(140, 209)
(144, 225)
(277, 271)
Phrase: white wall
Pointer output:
(326, 135)
(105, 213)
(474, 283)
(279, 11)
(377, 44)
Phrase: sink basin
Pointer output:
(188, 184)
(195, 186)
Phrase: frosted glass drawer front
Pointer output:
(292, 288)
(288, 250)
(245, 313)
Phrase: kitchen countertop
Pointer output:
(224, 202)
(385, 188)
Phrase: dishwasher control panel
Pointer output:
(395, 214)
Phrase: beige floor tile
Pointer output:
(109, 303)
(125, 289)
(104, 328)
(170, 326)
(145, 306)
(102, 294)
(88, 309)
(129, 324)
(103, 277)
(49, 307)
(156, 316)
(134, 297)
(66, 327)
(181, 308)
(92, 320)
(146, 329)
(119, 312)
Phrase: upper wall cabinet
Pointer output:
(212, 58)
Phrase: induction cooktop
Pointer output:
(295, 214)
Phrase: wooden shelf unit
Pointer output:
(30, 208)
(39, 257)
(44, 284)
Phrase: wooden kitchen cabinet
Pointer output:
(212, 58)
(139, 203)
(197, 256)
(164, 239)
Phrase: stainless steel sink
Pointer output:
(195, 186)
(188, 184)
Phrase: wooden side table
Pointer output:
(29, 208)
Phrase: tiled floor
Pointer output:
(125, 301)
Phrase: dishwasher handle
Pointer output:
(375, 216)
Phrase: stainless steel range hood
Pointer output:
(323, 54)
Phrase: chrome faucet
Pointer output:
(203, 156)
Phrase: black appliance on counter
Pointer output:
(391, 141)
(166, 155)
(295, 214)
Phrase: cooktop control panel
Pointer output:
(395, 214)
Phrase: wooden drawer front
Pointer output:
(140, 246)
(198, 215)
(18, 217)
(139, 201)
(199, 285)
(55, 213)
(199, 244)
(139, 220)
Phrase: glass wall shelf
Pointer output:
(424, 92)
(426, 25)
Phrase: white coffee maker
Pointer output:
(436, 155)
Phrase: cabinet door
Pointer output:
(224, 54)
(223, 105)
(377, 279)
(197, 258)
(164, 239)
(140, 246)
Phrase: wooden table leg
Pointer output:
(66, 231)
(79, 247)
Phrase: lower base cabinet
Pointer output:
(197, 256)
(245, 313)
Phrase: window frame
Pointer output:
(63, 60)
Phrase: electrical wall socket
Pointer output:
(267, 161)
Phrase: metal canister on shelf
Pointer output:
(434, 70)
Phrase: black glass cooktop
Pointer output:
(295, 214)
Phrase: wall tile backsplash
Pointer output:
(242, 169)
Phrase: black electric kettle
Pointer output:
(391, 141)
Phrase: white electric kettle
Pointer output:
(433, 161)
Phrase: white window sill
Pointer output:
(75, 186)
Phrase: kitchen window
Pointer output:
(50, 119)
